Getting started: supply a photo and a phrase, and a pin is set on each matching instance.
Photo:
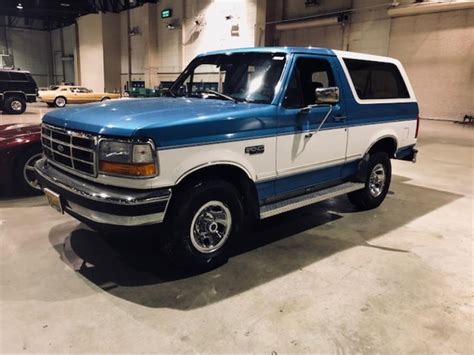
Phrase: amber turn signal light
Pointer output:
(128, 169)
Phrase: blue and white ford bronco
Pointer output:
(256, 131)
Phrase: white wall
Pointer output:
(63, 70)
(91, 51)
(437, 50)
(30, 50)
(111, 52)
(175, 48)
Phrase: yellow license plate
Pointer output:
(54, 200)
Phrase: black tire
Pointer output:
(14, 105)
(24, 177)
(105, 98)
(374, 192)
(188, 208)
(60, 101)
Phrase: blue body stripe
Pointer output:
(313, 179)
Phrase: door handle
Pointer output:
(339, 118)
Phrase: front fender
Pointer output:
(176, 164)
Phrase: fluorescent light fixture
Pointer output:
(19, 6)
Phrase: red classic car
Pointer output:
(20, 148)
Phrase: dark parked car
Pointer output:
(20, 148)
(16, 89)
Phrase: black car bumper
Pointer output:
(101, 204)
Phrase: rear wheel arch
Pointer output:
(7, 94)
(387, 144)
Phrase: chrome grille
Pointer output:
(73, 150)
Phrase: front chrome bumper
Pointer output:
(101, 204)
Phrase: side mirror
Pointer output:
(328, 95)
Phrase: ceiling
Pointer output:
(51, 14)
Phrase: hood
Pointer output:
(155, 117)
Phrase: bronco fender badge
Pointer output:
(256, 149)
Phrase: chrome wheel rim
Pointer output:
(211, 227)
(29, 171)
(377, 180)
(16, 105)
(60, 102)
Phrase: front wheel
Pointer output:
(60, 101)
(203, 218)
(377, 182)
(24, 174)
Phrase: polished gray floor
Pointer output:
(321, 279)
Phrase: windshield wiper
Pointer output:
(217, 93)
(169, 92)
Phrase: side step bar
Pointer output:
(305, 200)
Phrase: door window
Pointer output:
(308, 75)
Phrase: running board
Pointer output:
(305, 200)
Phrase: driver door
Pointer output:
(308, 159)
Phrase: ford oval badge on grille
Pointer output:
(60, 148)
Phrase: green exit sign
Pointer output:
(166, 13)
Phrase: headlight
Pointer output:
(130, 159)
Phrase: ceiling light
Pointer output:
(65, 4)
(19, 6)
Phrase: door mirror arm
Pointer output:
(310, 134)
(324, 97)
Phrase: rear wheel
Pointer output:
(14, 105)
(60, 101)
(105, 98)
(377, 182)
(203, 218)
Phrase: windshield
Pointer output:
(250, 77)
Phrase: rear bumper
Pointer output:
(408, 153)
(101, 204)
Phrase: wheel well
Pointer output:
(233, 174)
(15, 93)
(388, 145)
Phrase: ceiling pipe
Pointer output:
(317, 22)
(429, 8)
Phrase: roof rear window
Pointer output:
(376, 80)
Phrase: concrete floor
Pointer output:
(397, 279)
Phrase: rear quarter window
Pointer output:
(376, 80)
